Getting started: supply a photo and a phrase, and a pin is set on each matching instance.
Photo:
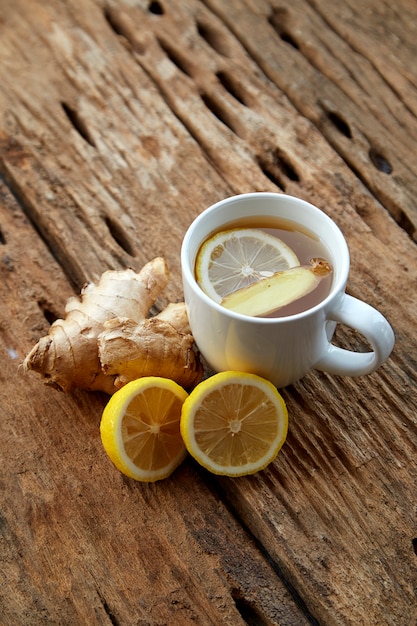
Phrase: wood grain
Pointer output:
(119, 123)
(323, 58)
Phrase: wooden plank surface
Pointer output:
(119, 123)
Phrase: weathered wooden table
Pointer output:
(120, 121)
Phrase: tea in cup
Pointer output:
(304, 269)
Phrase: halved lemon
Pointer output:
(233, 259)
(140, 428)
(234, 423)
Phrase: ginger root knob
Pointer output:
(69, 355)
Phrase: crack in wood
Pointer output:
(219, 112)
(181, 61)
(247, 610)
(28, 207)
(271, 172)
(119, 25)
(78, 123)
(277, 167)
(406, 224)
(278, 20)
(47, 311)
(156, 8)
(229, 83)
(340, 123)
(111, 18)
(380, 161)
(113, 619)
(213, 37)
(119, 235)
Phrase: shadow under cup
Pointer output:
(281, 349)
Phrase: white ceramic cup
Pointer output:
(281, 349)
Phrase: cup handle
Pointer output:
(372, 325)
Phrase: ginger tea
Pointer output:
(226, 264)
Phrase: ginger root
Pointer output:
(271, 294)
(105, 339)
(128, 351)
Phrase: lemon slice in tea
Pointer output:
(233, 259)
(140, 428)
(234, 423)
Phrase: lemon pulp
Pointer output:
(234, 423)
(140, 428)
(233, 259)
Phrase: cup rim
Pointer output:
(187, 264)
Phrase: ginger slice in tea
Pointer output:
(282, 288)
